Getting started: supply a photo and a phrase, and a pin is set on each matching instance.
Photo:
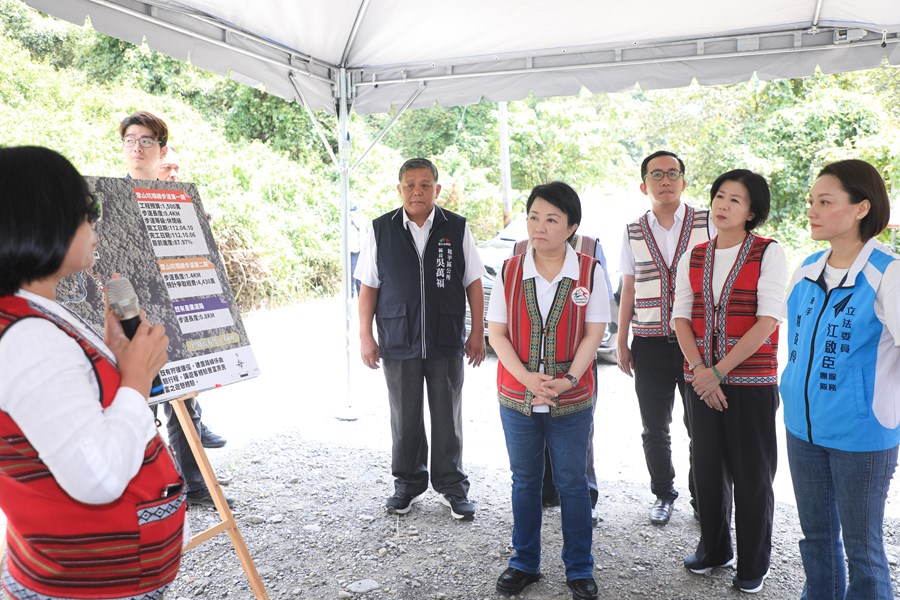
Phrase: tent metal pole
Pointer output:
(345, 412)
(387, 127)
(356, 23)
(815, 19)
(315, 121)
(505, 174)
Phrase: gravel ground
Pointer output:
(310, 490)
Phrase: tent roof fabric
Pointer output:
(460, 52)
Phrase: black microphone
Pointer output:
(124, 303)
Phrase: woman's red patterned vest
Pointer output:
(561, 336)
(721, 327)
(59, 547)
(654, 280)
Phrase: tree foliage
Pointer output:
(273, 191)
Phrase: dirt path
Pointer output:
(310, 490)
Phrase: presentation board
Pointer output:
(157, 234)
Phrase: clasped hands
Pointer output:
(546, 389)
(709, 388)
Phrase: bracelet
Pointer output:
(718, 375)
(694, 365)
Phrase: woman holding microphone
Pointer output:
(94, 504)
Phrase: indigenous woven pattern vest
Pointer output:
(561, 335)
(654, 280)
(60, 548)
(719, 328)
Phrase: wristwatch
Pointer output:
(572, 379)
(694, 365)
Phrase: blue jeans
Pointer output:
(567, 438)
(842, 495)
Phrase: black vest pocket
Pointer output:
(451, 323)
(393, 329)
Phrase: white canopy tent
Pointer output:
(380, 52)
(374, 55)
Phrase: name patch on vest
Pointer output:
(580, 296)
(444, 263)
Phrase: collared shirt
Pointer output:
(597, 310)
(887, 296)
(48, 387)
(666, 239)
(367, 267)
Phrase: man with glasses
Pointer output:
(144, 138)
(651, 249)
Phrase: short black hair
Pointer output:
(43, 202)
(862, 181)
(657, 154)
(757, 188)
(418, 163)
(562, 196)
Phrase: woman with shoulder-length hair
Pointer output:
(94, 504)
(729, 300)
(546, 318)
(840, 385)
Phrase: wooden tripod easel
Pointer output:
(227, 524)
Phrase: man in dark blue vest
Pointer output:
(417, 267)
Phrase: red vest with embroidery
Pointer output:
(654, 280)
(561, 335)
(720, 327)
(59, 547)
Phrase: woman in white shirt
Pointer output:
(729, 296)
(94, 503)
(547, 313)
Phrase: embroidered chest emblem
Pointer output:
(581, 296)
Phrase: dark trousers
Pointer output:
(658, 370)
(443, 379)
(735, 457)
(184, 458)
(548, 490)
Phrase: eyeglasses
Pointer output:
(658, 174)
(94, 208)
(145, 142)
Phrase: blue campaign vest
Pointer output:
(409, 327)
(829, 384)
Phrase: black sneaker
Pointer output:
(460, 508)
(209, 439)
(695, 566)
(750, 586)
(204, 498)
(400, 503)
